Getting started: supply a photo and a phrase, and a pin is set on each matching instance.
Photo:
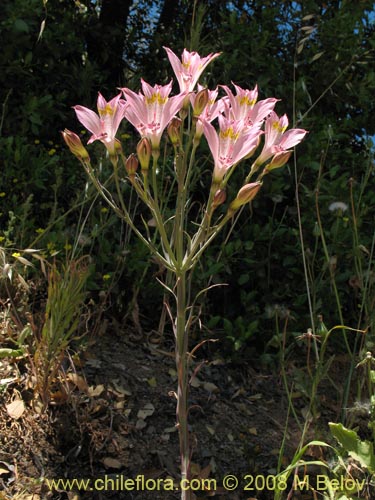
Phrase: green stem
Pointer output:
(202, 242)
(124, 214)
(181, 326)
(331, 272)
(155, 159)
(181, 332)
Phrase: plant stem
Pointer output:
(182, 389)
(182, 329)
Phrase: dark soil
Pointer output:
(113, 419)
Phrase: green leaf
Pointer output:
(244, 278)
(20, 26)
(10, 353)
(317, 56)
(362, 451)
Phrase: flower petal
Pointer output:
(89, 119)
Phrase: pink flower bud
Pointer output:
(131, 165)
(245, 194)
(219, 198)
(144, 153)
(278, 160)
(75, 145)
(174, 130)
(200, 102)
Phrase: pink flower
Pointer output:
(244, 105)
(231, 145)
(151, 111)
(105, 125)
(190, 68)
(276, 139)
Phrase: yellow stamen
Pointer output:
(156, 98)
(246, 101)
(108, 110)
(278, 127)
(229, 133)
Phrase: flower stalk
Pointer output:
(182, 335)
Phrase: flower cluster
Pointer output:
(242, 121)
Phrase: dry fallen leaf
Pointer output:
(78, 381)
(59, 397)
(94, 363)
(170, 429)
(95, 391)
(210, 387)
(141, 424)
(146, 411)
(118, 389)
(16, 408)
(195, 382)
(111, 463)
(210, 429)
(255, 397)
(38, 405)
(72, 495)
(205, 472)
(4, 470)
(195, 469)
(240, 392)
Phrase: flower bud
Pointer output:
(278, 160)
(219, 198)
(144, 153)
(117, 147)
(245, 194)
(200, 102)
(114, 151)
(131, 165)
(75, 145)
(174, 130)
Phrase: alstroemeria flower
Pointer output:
(211, 111)
(189, 68)
(276, 139)
(151, 111)
(105, 125)
(244, 105)
(231, 145)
